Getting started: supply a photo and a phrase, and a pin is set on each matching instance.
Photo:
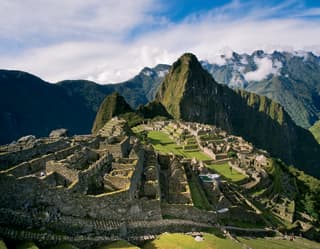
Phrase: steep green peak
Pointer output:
(186, 74)
(113, 105)
(188, 58)
(187, 61)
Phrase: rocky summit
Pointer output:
(190, 93)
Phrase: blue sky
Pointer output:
(112, 40)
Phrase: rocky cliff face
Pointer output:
(190, 93)
(112, 105)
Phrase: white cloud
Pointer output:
(91, 39)
(54, 20)
(265, 67)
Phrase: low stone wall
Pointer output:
(125, 146)
(114, 149)
(62, 154)
(32, 192)
(92, 174)
(209, 152)
(39, 164)
(117, 182)
(137, 174)
(8, 160)
(54, 179)
(121, 149)
(188, 212)
(70, 174)
(166, 225)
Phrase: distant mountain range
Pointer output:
(291, 79)
(29, 105)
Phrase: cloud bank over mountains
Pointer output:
(110, 41)
(265, 67)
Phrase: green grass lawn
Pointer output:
(64, 246)
(180, 241)
(119, 245)
(27, 245)
(2, 245)
(280, 244)
(211, 241)
(224, 170)
(197, 194)
(138, 128)
(163, 143)
(315, 130)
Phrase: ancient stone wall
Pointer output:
(161, 226)
(209, 152)
(125, 146)
(39, 164)
(151, 184)
(92, 174)
(61, 154)
(54, 179)
(10, 159)
(137, 174)
(187, 212)
(32, 193)
(178, 187)
(70, 174)
(114, 149)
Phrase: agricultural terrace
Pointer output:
(163, 143)
(227, 172)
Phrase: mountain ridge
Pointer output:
(198, 97)
(38, 113)
(290, 78)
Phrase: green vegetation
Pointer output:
(27, 245)
(112, 105)
(275, 171)
(152, 110)
(132, 118)
(163, 143)
(198, 196)
(172, 89)
(64, 246)
(180, 241)
(119, 245)
(2, 245)
(280, 244)
(224, 170)
(315, 130)
(308, 199)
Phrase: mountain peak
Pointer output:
(188, 57)
(185, 75)
(190, 93)
(113, 105)
(186, 60)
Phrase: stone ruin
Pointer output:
(93, 189)
(89, 190)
